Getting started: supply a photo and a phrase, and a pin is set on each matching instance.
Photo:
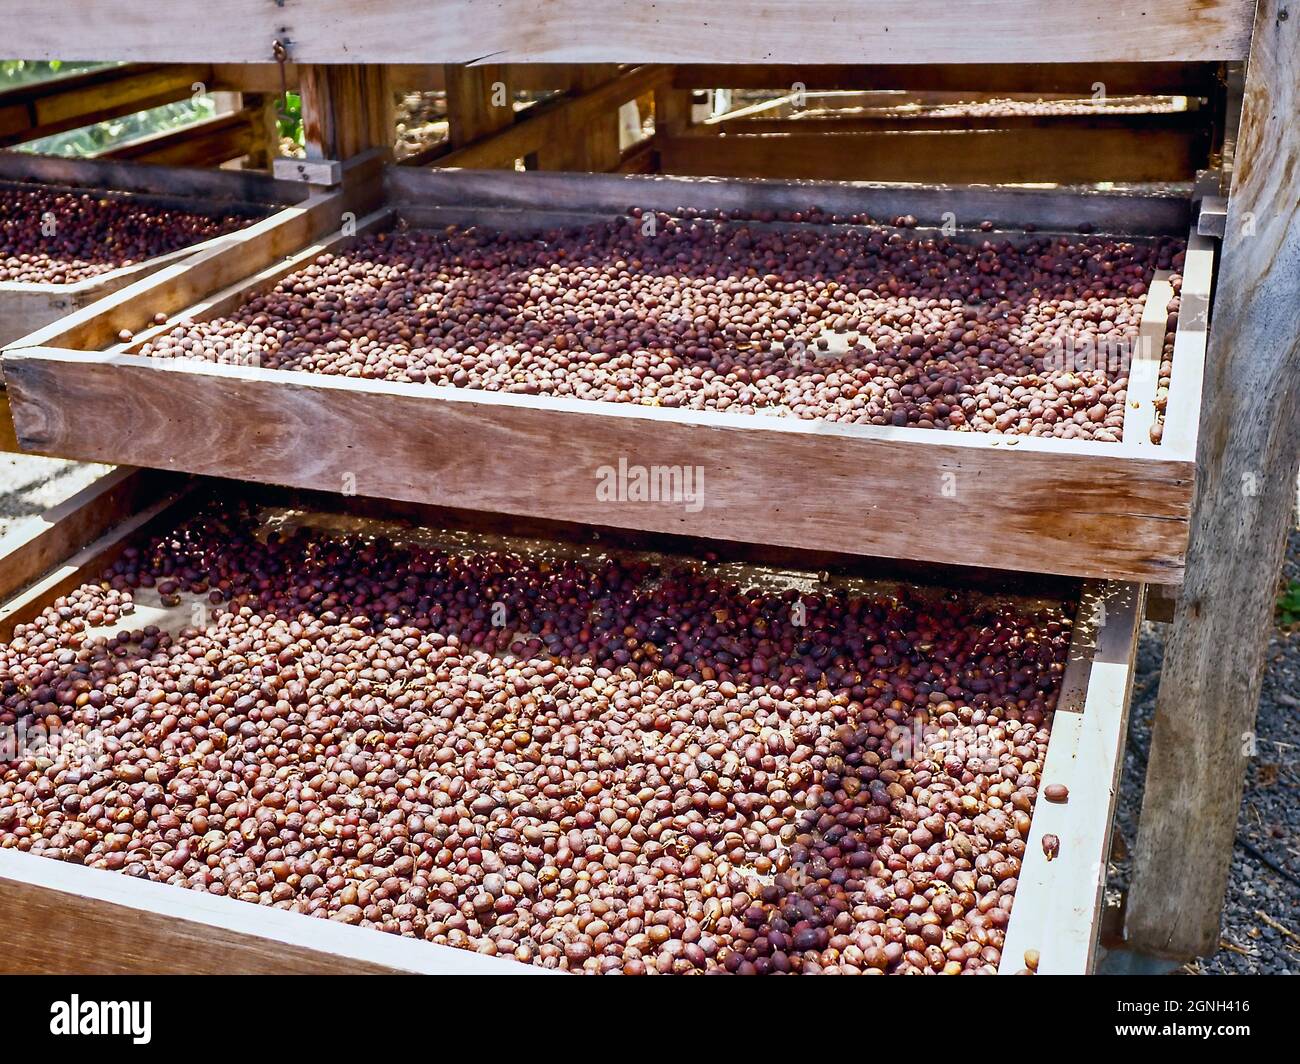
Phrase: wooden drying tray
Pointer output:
(60, 918)
(26, 306)
(1076, 508)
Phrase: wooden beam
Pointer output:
(30, 112)
(1247, 459)
(209, 142)
(34, 545)
(1057, 909)
(347, 109)
(1053, 76)
(844, 487)
(479, 103)
(550, 122)
(1056, 155)
(629, 31)
(590, 144)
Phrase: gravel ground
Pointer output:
(1265, 884)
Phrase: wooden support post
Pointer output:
(265, 109)
(592, 146)
(1247, 460)
(672, 112)
(346, 110)
(479, 103)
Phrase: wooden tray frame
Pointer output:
(60, 918)
(1075, 508)
(26, 307)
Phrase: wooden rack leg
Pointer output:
(479, 102)
(1247, 460)
(346, 110)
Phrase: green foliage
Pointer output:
(1288, 605)
(290, 120)
(14, 72)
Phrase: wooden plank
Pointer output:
(885, 120)
(480, 102)
(1137, 211)
(985, 156)
(554, 120)
(1183, 404)
(85, 564)
(405, 77)
(591, 143)
(35, 544)
(1248, 453)
(1144, 364)
(844, 488)
(619, 31)
(59, 918)
(136, 178)
(1057, 909)
(208, 142)
(1053, 76)
(94, 96)
(230, 258)
(346, 110)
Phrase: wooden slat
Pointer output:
(231, 257)
(845, 488)
(1053, 76)
(1057, 908)
(135, 178)
(471, 113)
(65, 103)
(618, 31)
(58, 918)
(986, 156)
(347, 109)
(1139, 211)
(35, 544)
(1144, 365)
(1183, 405)
(208, 142)
(553, 121)
(1248, 455)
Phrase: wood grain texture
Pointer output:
(1247, 457)
(93, 96)
(347, 109)
(209, 142)
(227, 259)
(1053, 76)
(1132, 211)
(553, 122)
(1055, 154)
(1059, 506)
(1057, 910)
(34, 545)
(1144, 364)
(625, 31)
(63, 919)
(26, 308)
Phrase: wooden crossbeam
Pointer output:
(555, 121)
(209, 142)
(1054, 154)
(30, 112)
